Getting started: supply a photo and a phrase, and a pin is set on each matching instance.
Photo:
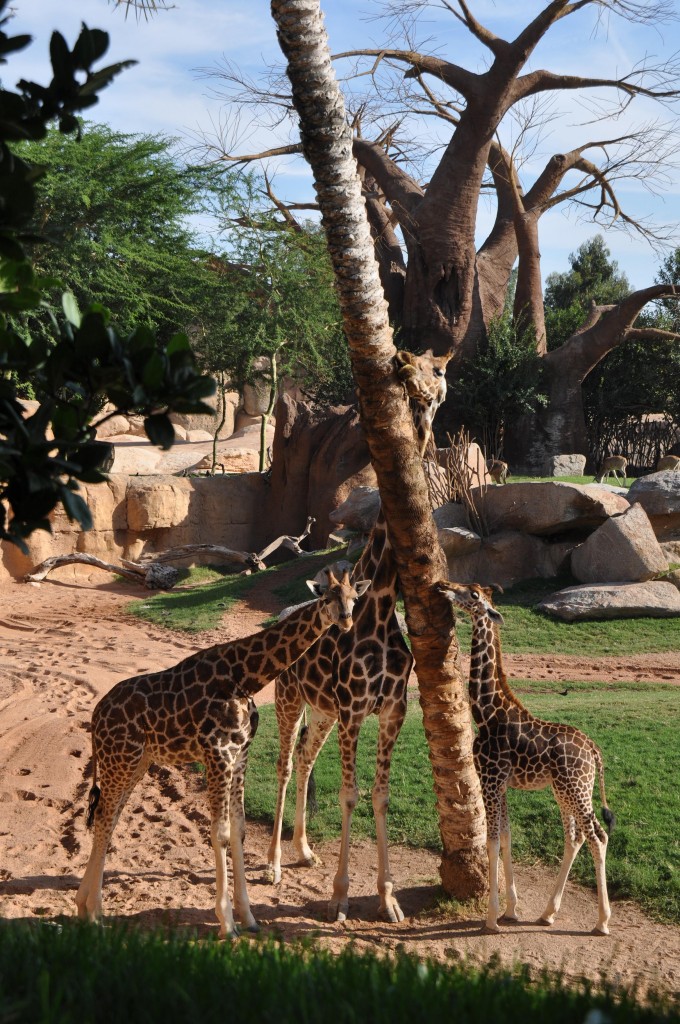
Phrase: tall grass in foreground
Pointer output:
(636, 725)
(77, 973)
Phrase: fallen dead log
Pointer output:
(152, 573)
(152, 576)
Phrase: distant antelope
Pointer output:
(613, 464)
(498, 471)
(671, 462)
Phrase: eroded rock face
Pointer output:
(567, 465)
(319, 457)
(542, 508)
(656, 598)
(659, 495)
(623, 549)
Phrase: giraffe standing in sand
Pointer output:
(512, 748)
(200, 710)
(345, 678)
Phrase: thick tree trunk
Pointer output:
(388, 428)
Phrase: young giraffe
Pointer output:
(200, 710)
(512, 748)
(346, 678)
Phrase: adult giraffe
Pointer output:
(345, 678)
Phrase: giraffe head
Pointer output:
(475, 599)
(424, 376)
(338, 597)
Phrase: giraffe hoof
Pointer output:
(309, 860)
(600, 930)
(271, 875)
(490, 929)
(545, 921)
(508, 919)
(338, 911)
(391, 912)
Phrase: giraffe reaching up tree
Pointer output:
(512, 748)
(346, 678)
(200, 710)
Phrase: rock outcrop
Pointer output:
(659, 495)
(623, 549)
(657, 599)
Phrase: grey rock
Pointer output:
(623, 549)
(567, 465)
(657, 599)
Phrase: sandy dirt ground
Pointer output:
(66, 641)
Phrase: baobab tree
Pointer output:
(443, 290)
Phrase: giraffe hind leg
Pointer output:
(573, 841)
(114, 792)
(510, 913)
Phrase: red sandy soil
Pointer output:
(66, 641)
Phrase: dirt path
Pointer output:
(64, 643)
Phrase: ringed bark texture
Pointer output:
(387, 423)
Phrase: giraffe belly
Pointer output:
(529, 778)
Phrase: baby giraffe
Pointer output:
(200, 710)
(512, 748)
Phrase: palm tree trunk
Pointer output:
(387, 424)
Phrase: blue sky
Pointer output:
(168, 93)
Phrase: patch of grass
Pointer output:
(197, 605)
(528, 631)
(636, 726)
(77, 973)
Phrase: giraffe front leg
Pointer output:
(238, 831)
(492, 806)
(288, 725)
(597, 841)
(348, 735)
(391, 721)
(318, 732)
(510, 913)
(219, 774)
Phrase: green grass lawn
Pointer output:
(195, 608)
(636, 726)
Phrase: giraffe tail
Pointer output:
(607, 814)
(95, 793)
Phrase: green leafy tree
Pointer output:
(85, 360)
(501, 384)
(593, 277)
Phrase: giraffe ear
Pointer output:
(316, 588)
(496, 616)
(361, 586)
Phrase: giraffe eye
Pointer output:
(438, 372)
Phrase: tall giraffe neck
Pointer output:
(256, 660)
(488, 686)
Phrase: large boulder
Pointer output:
(359, 510)
(656, 599)
(224, 406)
(508, 557)
(659, 495)
(542, 508)
(623, 549)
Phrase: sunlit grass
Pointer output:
(636, 726)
